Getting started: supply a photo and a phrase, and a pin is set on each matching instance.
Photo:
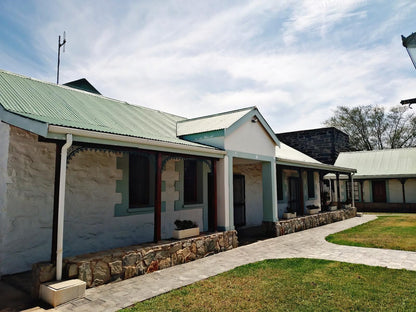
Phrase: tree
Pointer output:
(370, 127)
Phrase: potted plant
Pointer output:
(347, 204)
(290, 214)
(185, 228)
(312, 209)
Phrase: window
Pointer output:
(311, 184)
(192, 182)
(139, 182)
(279, 184)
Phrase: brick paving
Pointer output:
(306, 244)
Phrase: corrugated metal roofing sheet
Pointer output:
(381, 163)
(289, 153)
(64, 106)
(212, 122)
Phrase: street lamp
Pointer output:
(410, 44)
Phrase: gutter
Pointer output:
(187, 149)
(61, 207)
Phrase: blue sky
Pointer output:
(295, 60)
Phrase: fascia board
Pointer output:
(295, 163)
(25, 123)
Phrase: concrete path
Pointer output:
(306, 244)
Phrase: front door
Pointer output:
(294, 195)
(379, 192)
(239, 195)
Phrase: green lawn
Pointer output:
(294, 285)
(388, 231)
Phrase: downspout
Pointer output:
(61, 207)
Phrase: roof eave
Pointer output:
(25, 123)
(303, 164)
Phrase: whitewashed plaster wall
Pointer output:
(4, 179)
(251, 138)
(254, 192)
(90, 224)
(170, 177)
(395, 191)
(410, 189)
(27, 213)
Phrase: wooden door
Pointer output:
(379, 192)
(294, 195)
(239, 195)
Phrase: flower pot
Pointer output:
(313, 211)
(289, 215)
(179, 234)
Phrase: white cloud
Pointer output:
(294, 60)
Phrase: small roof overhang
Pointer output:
(317, 166)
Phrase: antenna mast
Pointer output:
(60, 44)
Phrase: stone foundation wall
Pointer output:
(283, 227)
(122, 263)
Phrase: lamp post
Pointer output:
(410, 44)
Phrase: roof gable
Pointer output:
(223, 124)
(82, 84)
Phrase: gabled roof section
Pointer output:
(82, 84)
(42, 103)
(227, 121)
(390, 163)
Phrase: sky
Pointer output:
(296, 61)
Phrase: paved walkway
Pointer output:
(305, 244)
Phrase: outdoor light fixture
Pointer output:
(410, 44)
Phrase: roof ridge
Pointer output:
(218, 114)
(380, 150)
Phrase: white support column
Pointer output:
(270, 209)
(223, 194)
(352, 191)
(61, 207)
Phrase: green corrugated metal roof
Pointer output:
(211, 122)
(64, 106)
(388, 163)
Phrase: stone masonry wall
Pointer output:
(123, 263)
(323, 144)
(28, 204)
(283, 227)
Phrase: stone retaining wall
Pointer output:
(283, 227)
(122, 263)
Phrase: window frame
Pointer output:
(141, 173)
(192, 182)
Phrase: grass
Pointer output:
(294, 285)
(391, 232)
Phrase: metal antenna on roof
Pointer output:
(60, 44)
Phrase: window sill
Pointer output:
(190, 206)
